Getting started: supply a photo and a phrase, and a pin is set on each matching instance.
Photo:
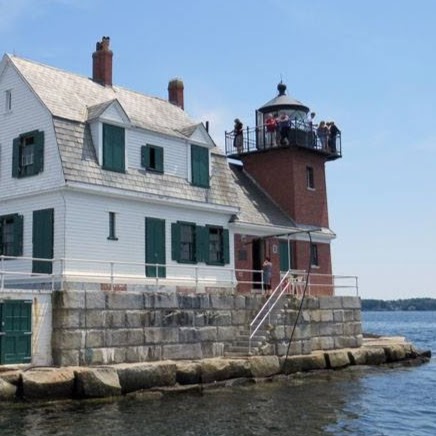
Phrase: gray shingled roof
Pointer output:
(256, 207)
(80, 165)
(69, 96)
(73, 100)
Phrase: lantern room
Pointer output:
(285, 122)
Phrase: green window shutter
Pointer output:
(204, 168)
(113, 148)
(152, 157)
(155, 246)
(1, 236)
(43, 240)
(175, 241)
(144, 156)
(18, 235)
(159, 157)
(226, 246)
(16, 157)
(201, 244)
(38, 158)
(200, 166)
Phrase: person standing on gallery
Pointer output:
(323, 132)
(270, 127)
(238, 140)
(283, 124)
(309, 121)
(333, 133)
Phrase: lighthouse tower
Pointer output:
(288, 163)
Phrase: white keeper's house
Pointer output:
(92, 171)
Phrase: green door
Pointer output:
(43, 221)
(155, 246)
(16, 331)
(285, 252)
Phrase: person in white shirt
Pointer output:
(309, 121)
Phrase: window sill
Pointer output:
(310, 189)
(152, 170)
(24, 176)
(112, 238)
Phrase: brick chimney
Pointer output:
(175, 93)
(102, 63)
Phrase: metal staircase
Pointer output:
(253, 340)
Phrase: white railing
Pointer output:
(337, 285)
(299, 282)
(266, 309)
(17, 271)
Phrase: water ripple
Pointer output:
(374, 401)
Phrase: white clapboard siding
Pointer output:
(25, 207)
(27, 114)
(175, 151)
(87, 231)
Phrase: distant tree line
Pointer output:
(407, 304)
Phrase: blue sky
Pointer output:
(369, 65)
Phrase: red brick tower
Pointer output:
(289, 164)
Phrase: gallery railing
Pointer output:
(299, 134)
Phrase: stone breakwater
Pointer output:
(166, 376)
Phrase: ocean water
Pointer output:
(356, 401)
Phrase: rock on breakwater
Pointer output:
(115, 380)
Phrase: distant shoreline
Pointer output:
(407, 305)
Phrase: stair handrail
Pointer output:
(280, 290)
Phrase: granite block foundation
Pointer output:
(97, 326)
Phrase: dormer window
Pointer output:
(114, 148)
(200, 166)
(8, 100)
(28, 154)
